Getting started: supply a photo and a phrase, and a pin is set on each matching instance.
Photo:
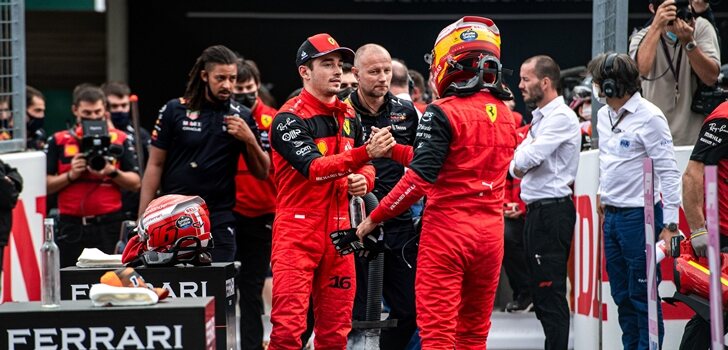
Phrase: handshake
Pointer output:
(380, 143)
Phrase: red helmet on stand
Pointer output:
(466, 57)
(174, 229)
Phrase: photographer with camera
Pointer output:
(88, 166)
(674, 54)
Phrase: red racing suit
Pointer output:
(315, 146)
(461, 156)
(255, 197)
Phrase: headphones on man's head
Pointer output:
(610, 87)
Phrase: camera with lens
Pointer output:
(683, 10)
(96, 144)
(707, 98)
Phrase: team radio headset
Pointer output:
(610, 87)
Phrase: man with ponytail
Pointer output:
(197, 140)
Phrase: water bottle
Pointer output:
(50, 262)
(357, 211)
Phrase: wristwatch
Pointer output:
(691, 46)
(672, 227)
(114, 174)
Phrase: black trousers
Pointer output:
(253, 237)
(548, 232)
(73, 237)
(222, 224)
(398, 292)
(514, 257)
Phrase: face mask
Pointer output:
(344, 93)
(120, 119)
(672, 36)
(597, 92)
(34, 124)
(247, 99)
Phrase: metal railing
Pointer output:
(12, 76)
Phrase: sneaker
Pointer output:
(521, 304)
(124, 287)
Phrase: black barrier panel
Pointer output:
(217, 280)
(173, 324)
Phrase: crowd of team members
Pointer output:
(278, 183)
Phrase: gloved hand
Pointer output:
(373, 245)
(699, 241)
(346, 241)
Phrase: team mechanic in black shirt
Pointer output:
(196, 143)
(377, 107)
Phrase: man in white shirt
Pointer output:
(631, 129)
(546, 161)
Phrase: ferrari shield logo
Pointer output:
(347, 127)
(492, 111)
(322, 147)
(266, 120)
(70, 150)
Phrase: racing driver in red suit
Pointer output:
(463, 145)
(319, 156)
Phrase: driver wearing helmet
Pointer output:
(464, 143)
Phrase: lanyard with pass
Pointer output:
(674, 69)
(619, 120)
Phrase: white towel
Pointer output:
(92, 257)
(104, 294)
